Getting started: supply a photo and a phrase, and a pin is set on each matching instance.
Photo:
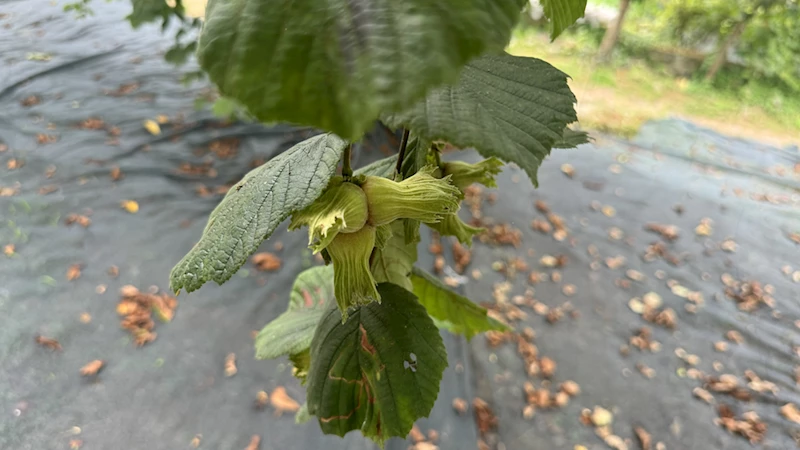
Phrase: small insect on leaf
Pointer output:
(152, 127)
(281, 401)
(92, 368)
(46, 342)
(130, 205)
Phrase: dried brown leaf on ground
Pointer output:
(570, 388)
(645, 440)
(9, 191)
(734, 336)
(750, 426)
(74, 272)
(484, 417)
(416, 435)
(501, 234)
(262, 398)
(137, 309)
(281, 401)
(266, 261)
(92, 123)
(80, 219)
(460, 406)
(230, 365)
(31, 100)
(749, 295)
(703, 395)
(92, 368)
(791, 412)
(225, 148)
(43, 139)
(48, 343)
(668, 232)
(123, 89)
(462, 256)
(255, 443)
(116, 173)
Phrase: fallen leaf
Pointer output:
(116, 173)
(645, 440)
(262, 398)
(92, 368)
(31, 100)
(790, 412)
(74, 272)
(485, 418)
(130, 205)
(460, 406)
(281, 401)
(230, 365)
(49, 343)
(162, 119)
(9, 249)
(568, 170)
(81, 220)
(255, 442)
(704, 227)
(152, 127)
(266, 261)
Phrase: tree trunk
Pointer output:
(612, 33)
(722, 53)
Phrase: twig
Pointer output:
(347, 171)
(402, 153)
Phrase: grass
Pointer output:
(620, 97)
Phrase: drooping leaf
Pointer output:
(394, 261)
(336, 64)
(572, 138)
(449, 310)
(291, 332)
(254, 207)
(562, 13)
(378, 372)
(511, 107)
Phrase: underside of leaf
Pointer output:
(254, 207)
(336, 64)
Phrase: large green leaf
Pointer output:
(511, 107)
(378, 372)
(254, 207)
(291, 332)
(336, 64)
(449, 310)
(562, 13)
(393, 262)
